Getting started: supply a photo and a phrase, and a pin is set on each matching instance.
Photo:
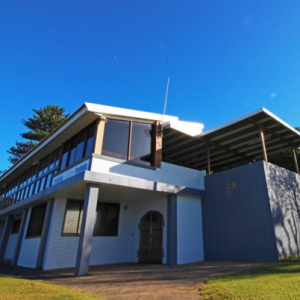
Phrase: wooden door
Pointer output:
(151, 238)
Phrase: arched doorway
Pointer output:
(151, 238)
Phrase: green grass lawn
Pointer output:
(269, 281)
(12, 288)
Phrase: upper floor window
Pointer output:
(128, 140)
(79, 146)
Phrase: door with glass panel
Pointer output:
(151, 238)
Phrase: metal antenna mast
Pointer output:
(166, 99)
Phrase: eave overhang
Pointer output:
(232, 143)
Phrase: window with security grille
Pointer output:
(36, 221)
(73, 217)
(106, 219)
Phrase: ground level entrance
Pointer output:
(151, 238)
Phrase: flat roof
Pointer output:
(82, 117)
(230, 144)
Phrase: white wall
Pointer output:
(168, 173)
(10, 248)
(189, 230)
(29, 249)
(141, 209)
(115, 249)
(61, 250)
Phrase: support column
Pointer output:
(99, 135)
(157, 145)
(262, 137)
(208, 159)
(45, 234)
(172, 230)
(5, 236)
(86, 232)
(295, 160)
(20, 237)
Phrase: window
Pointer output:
(79, 146)
(73, 217)
(130, 141)
(16, 227)
(36, 222)
(39, 177)
(106, 221)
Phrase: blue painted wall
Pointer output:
(237, 221)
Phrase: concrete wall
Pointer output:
(237, 218)
(189, 230)
(284, 194)
(168, 173)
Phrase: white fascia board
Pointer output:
(46, 141)
(281, 121)
(114, 112)
(188, 128)
(251, 114)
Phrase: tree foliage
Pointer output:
(42, 123)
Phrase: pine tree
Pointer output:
(43, 122)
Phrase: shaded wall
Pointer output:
(284, 195)
(237, 219)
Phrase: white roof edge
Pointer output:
(94, 108)
(255, 112)
(188, 130)
(72, 119)
(281, 121)
(125, 112)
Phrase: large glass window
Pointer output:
(81, 145)
(141, 143)
(116, 138)
(90, 141)
(128, 140)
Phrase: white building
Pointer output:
(96, 191)
(114, 185)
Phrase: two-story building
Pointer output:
(113, 185)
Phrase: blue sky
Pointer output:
(224, 58)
